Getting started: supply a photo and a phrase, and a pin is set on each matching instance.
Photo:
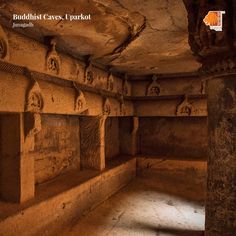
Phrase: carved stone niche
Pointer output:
(53, 61)
(80, 102)
(89, 74)
(203, 40)
(184, 108)
(154, 88)
(110, 82)
(106, 107)
(34, 99)
(4, 47)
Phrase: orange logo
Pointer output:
(214, 19)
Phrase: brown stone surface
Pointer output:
(161, 201)
(16, 165)
(169, 137)
(112, 141)
(116, 33)
(221, 198)
(77, 95)
(92, 142)
(57, 148)
(60, 201)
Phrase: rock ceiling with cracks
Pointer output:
(130, 36)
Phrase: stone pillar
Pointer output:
(92, 146)
(221, 183)
(16, 166)
(128, 127)
(215, 49)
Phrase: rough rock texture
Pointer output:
(57, 148)
(132, 36)
(112, 142)
(92, 142)
(60, 201)
(221, 198)
(169, 137)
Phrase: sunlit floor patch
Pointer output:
(145, 208)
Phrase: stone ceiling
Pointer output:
(133, 36)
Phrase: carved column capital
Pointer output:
(214, 49)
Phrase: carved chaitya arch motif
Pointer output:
(80, 102)
(185, 108)
(53, 62)
(154, 88)
(34, 100)
(4, 47)
(106, 107)
(110, 82)
(89, 74)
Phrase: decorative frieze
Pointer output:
(53, 62)
(220, 65)
(154, 88)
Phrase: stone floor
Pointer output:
(170, 203)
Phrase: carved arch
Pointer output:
(185, 108)
(89, 75)
(53, 61)
(153, 89)
(34, 99)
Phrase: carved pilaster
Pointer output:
(110, 82)
(93, 142)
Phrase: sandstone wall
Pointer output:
(57, 146)
(180, 137)
(112, 143)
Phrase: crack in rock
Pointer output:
(134, 30)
